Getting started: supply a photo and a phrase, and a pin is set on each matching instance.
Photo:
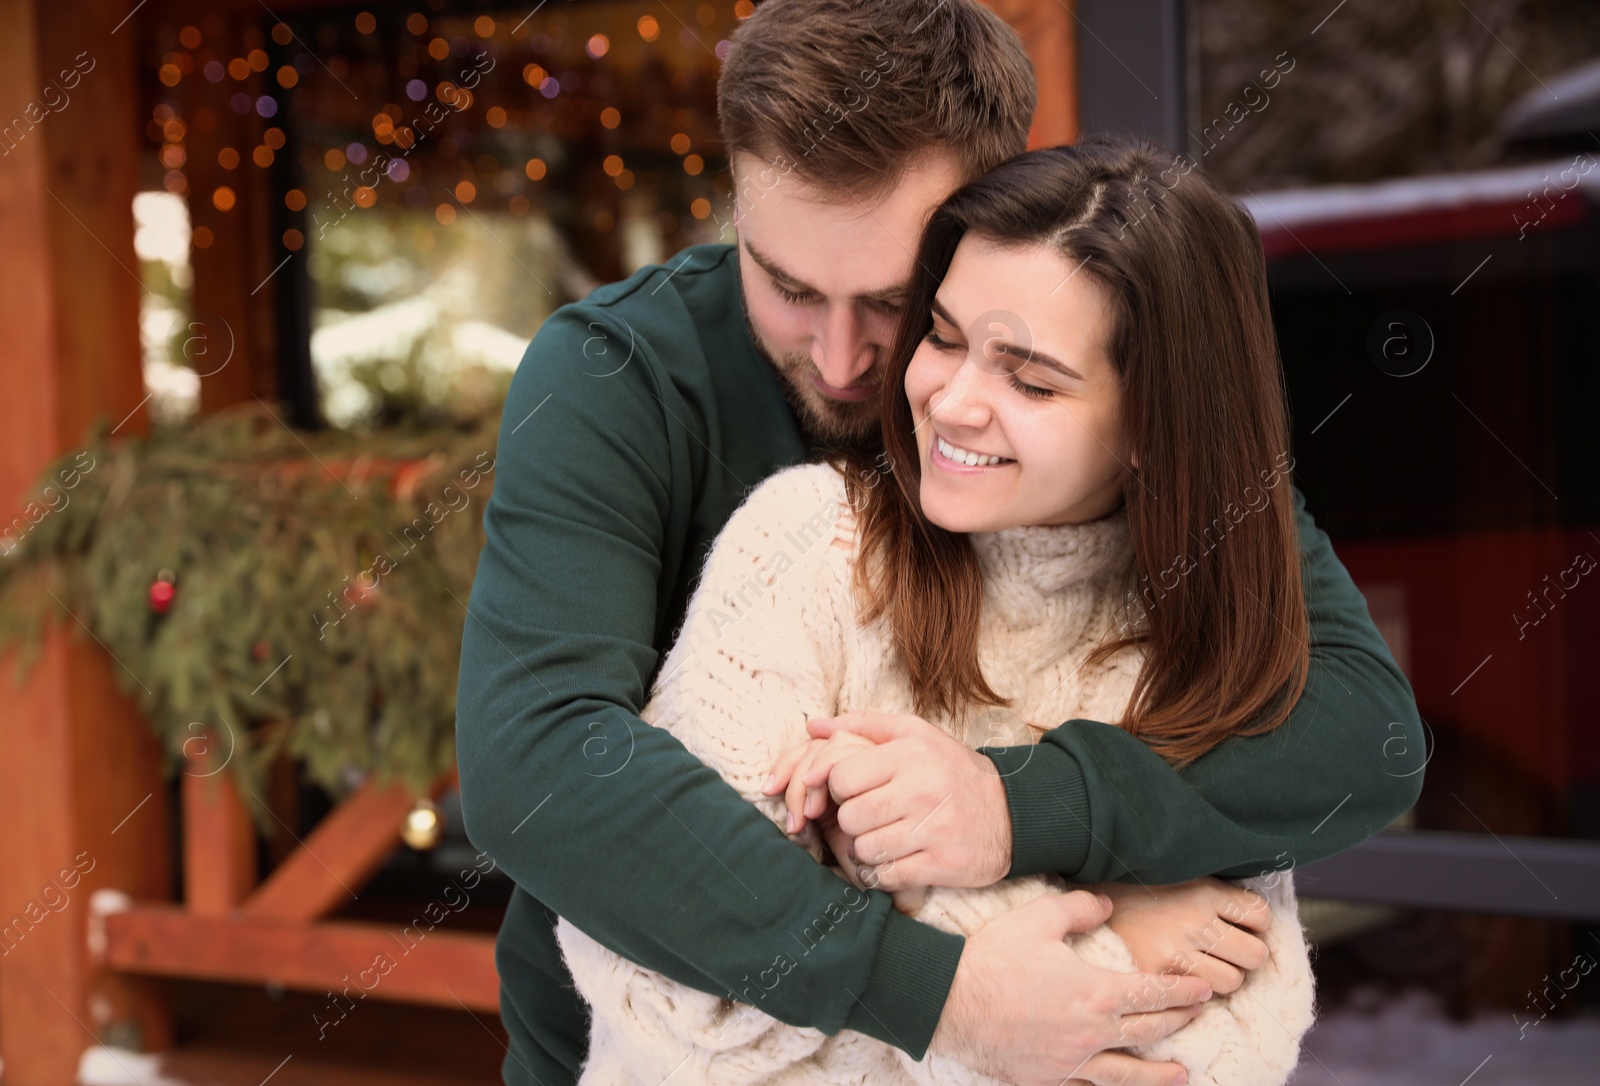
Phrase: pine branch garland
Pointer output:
(319, 586)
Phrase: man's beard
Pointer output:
(836, 424)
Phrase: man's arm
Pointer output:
(1093, 803)
(608, 821)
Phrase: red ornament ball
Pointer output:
(161, 596)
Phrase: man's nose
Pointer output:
(840, 347)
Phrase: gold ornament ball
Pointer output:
(423, 826)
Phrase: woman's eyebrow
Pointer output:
(1011, 349)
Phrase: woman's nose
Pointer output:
(963, 401)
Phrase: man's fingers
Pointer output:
(830, 753)
(1120, 1069)
(1062, 914)
(878, 727)
(878, 844)
(1147, 1028)
(890, 875)
(877, 766)
(1148, 992)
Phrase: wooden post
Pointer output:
(82, 804)
(1048, 29)
(235, 285)
(219, 841)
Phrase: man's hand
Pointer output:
(1025, 1008)
(794, 765)
(923, 809)
(1202, 928)
(908, 900)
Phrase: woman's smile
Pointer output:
(954, 458)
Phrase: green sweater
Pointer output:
(637, 422)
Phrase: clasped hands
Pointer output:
(904, 806)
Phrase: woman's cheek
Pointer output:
(922, 379)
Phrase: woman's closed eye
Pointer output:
(939, 343)
(1030, 390)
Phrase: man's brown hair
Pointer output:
(848, 93)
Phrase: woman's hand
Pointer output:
(1202, 928)
(789, 773)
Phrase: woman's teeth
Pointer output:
(967, 456)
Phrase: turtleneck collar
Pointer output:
(1026, 567)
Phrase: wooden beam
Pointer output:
(338, 857)
(417, 963)
(82, 803)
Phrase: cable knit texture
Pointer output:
(771, 639)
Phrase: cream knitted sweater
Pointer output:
(770, 639)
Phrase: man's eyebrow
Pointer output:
(1012, 349)
(884, 294)
(771, 269)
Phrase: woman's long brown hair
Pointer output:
(1216, 553)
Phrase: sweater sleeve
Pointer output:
(606, 821)
(1093, 803)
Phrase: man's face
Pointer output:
(825, 278)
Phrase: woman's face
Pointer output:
(1015, 367)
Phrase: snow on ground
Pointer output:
(102, 1065)
(1408, 1041)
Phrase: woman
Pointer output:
(1007, 564)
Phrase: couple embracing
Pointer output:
(900, 653)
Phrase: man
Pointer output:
(637, 422)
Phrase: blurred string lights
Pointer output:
(574, 107)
